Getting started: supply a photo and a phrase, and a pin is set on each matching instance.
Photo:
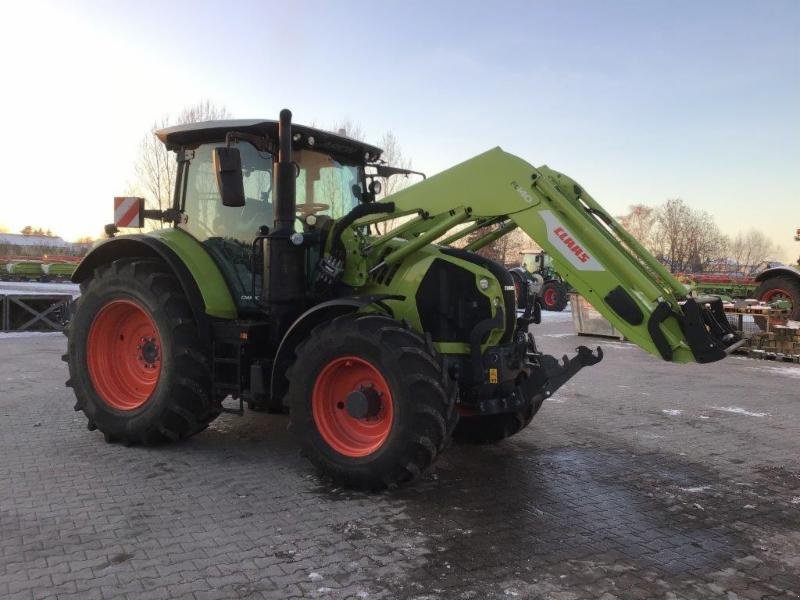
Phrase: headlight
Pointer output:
(483, 283)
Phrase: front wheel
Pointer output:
(369, 401)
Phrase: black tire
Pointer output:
(554, 296)
(180, 404)
(491, 429)
(423, 399)
(789, 285)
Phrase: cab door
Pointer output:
(228, 232)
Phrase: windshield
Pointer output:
(327, 183)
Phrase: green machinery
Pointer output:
(22, 270)
(35, 270)
(769, 282)
(537, 276)
(59, 271)
(272, 285)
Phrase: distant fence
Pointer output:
(34, 312)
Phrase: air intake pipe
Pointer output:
(284, 261)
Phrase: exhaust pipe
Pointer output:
(284, 274)
(285, 175)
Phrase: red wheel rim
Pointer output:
(549, 297)
(776, 294)
(123, 354)
(346, 434)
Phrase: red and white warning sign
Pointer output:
(128, 211)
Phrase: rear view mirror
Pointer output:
(228, 167)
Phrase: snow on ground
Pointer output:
(11, 335)
(739, 411)
(785, 370)
(37, 287)
(555, 317)
(696, 489)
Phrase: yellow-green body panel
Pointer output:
(212, 285)
(408, 279)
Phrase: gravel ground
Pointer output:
(639, 479)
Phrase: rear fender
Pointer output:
(778, 272)
(199, 277)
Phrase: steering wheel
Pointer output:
(310, 208)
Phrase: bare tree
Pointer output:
(393, 155)
(505, 250)
(670, 243)
(705, 243)
(156, 166)
(686, 239)
(349, 128)
(750, 248)
(640, 222)
(517, 243)
(205, 110)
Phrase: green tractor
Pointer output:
(537, 276)
(271, 285)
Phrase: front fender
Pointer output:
(198, 274)
(304, 324)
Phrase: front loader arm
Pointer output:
(590, 250)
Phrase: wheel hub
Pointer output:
(363, 403)
(148, 352)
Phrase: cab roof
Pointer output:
(334, 144)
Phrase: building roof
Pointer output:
(18, 239)
(339, 146)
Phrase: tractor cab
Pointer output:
(330, 180)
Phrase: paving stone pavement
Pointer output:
(639, 479)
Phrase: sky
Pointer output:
(638, 101)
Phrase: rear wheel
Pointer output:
(137, 366)
(369, 401)
(554, 296)
(779, 288)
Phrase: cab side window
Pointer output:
(207, 217)
(227, 232)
